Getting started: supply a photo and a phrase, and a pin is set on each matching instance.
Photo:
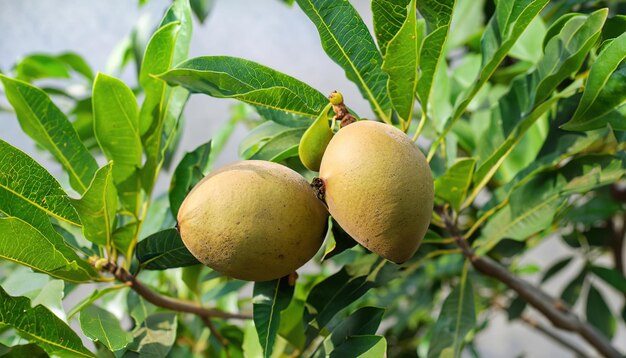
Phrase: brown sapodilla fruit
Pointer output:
(379, 188)
(253, 220)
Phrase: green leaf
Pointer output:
(507, 24)
(116, 126)
(22, 243)
(157, 59)
(188, 173)
(38, 66)
(43, 121)
(362, 346)
(202, 8)
(572, 291)
(102, 326)
(452, 186)
(401, 64)
(40, 326)
(533, 205)
(456, 319)
(338, 241)
(247, 81)
(282, 143)
(605, 90)
(343, 288)
(610, 276)
(164, 250)
(388, 17)
(438, 16)
(555, 268)
(270, 298)
(26, 187)
(529, 45)
(156, 335)
(348, 42)
(95, 295)
(315, 140)
(180, 11)
(364, 321)
(599, 314)
(97, 207)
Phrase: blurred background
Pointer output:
(265, 31)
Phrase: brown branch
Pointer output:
(554, 336)
(163, 301)
(553, 309)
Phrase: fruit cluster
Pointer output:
(257, 220)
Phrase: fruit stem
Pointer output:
(341, 111)
(320, 190)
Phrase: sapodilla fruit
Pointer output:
(379, 188)
(253, 220)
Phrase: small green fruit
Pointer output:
(379, 188)
(253, 220)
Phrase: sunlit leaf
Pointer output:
(388, 17)
(43, 121)
(452, 186)
(155, 336)
(348, 42)
(97, 207)
(164, 250)
(102, 326)
(270, 298)
(39, 325)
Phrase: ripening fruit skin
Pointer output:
(253, 220)
(379, 188)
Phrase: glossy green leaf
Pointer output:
(156, 335)
(438, 16)
(97, 207)
(247, 81)
(555, 269)
(26, 187)
(157, 59)
(40, 326)
(43, 121)
(528, 46)
(116, 126)
(605, 90)
(271, 141)
(348, 42)
(164, 250)
(362, 346)
(269, 299)
(510, 20)
(22, 243)
(164, 107)
(190, 170)
(599, 314)
(364, 321)
(341, 289)
(452, 186)
(401, 64)
(102, 326)
(388, 17)
(611, 276)
(456, 319)
(93, 297)
(521, 107)
(533, 205)
(337, 241)
(315, 140)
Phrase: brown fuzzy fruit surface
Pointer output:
(253, 220)
(379, 188)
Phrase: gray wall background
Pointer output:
(265, 31)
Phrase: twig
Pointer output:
(553, 309)
(157, 299)
(222, 341)
(554, 336)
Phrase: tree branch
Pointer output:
(553, 309)
(554, 336)
(157, 299)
